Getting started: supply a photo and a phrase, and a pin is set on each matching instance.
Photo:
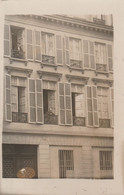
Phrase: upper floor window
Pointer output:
(101, 57)
(75, 49)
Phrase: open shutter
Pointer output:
(95, 110)
(8, 109)
(110, 61)
(67, 58)
(89, 106)
(86, 53)
(29, 44)
(92, 58)
(68, 104)
(39, 101)
(37, 35)
(32, 101)
(61, 104)
(112, 106)
(59, 54)
(7, 40)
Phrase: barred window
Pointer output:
(105, 160)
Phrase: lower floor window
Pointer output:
(105, 160)
(19, 161)
(66, 162)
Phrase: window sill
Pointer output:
(76, 68)
(18, 59)
(102, 72)
(48, 64)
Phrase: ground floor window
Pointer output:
(105, 160)
(19, 161)
(66, 162)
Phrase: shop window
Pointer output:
(19, 161)
(105, 160)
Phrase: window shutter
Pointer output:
(61, 104)
(92, 58)
(8, 109)
(112, 106)
(110, 61)
(37, 45)
(59, 54)
(32, 101)
(39, 101)
(86, 53)
(95, 110)
(7, 40)
(67, 58)
(68, 104)
(89, 106)
(29, 44)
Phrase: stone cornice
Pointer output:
(104, 81)
(24, 70)
(71, 78)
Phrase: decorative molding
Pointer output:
(25, 70)
(105, 73)
(19, 60)
(54, 76)
(74, 68)
(74, 77)
(51, 65)
(105, 81)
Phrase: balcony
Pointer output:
(48, 59)
(78, 121)
(75, 64)
(101, 67)
(50, 118)
(104, 123)
(18, 54)
(19, 117)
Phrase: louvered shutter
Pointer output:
(92, 58)
(68, 104)
(29, 44)
(37, 35)
(61, 104)
(32, 101)
(59, 54)
(7, 40)
(112, 106)
(39, 101)
(95, 109)
(86, 53)
(8, 109)
(110, 61)
(67, 57)
(89, 106)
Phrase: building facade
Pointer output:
(58, 100)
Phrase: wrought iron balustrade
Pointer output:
(48, 59)
(18, 54)
(19, 117)
(50, 118)
(99, 21)
(76, 63)
(79, 121)
(101, 67)
(104, 123)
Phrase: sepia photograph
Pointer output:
(58, 97)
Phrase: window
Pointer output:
(17, 42)
(49, 102)
(101, 57)
(66, 162)
(48, 48)
(103, 107)
(18, 99)
(78, 109)
(105, 160)
(19, 157)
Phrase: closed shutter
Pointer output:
(86, 53)
(32, 101)
(89, 106)
(112, 106)
(59, 54)
(8, 109)
(39, 101)
(110, 61)
(61, 104)
(92, 58)
(37, 45)
(29, 44)
(7, 40)
(67, 57)
(95, 110)
(68, 104)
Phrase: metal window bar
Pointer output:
(105, 160)
(65, 162)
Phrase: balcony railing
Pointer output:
(50, 118)
(101, 67)
(48, 59)
(75, 63)
(99, 21)
(18, 54)
(78, 121)
(104, 123)
(19, 117)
